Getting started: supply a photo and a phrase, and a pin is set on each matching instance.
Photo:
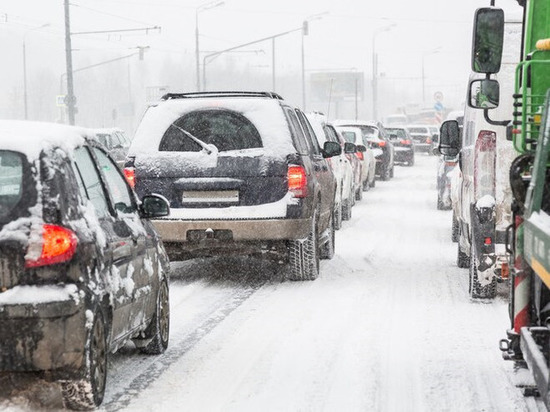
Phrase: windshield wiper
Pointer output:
(206, 147)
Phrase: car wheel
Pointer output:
(366, 185)
(439, 203)
(338, 212)
(346, 209)
(462, 259)
(391, 172)
(373, 181)
(476, 289)
(327, 250)
(385, 175)
(359, 193)
(159, 328)
(454, 230)
(304, 255)
(87, 392)
(410, 162)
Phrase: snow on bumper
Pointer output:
(42, 328)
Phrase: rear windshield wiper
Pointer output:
(206, 147)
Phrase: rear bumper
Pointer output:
(241, 230)
(46, 335)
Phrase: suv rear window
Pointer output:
(12, 183)
(419, 130)
(398, 132)
(224, 129)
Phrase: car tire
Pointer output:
(475, 288)
(439, 203)
(304, 255)
(462, 259)
(159, 328)
(373, 181)
(327, 250)
(454, 229)
(87, 391)
(410, 163)
(366, 185)
(359, 193)
(338, 216)
(385, 174)
(346, 209)
(391, 172)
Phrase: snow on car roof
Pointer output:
(30, 138)
(265, 114)
(341, 122)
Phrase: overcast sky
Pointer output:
(434, 32)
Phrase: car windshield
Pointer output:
(418, 130)
(349, 136)
(224, 129)
(400, 133)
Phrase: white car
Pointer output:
(341, 167)
(355, 135)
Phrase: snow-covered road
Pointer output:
(388, 326)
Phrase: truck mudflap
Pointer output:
(531, 342)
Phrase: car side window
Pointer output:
(90, 181)
(331, 134)
(299, 139)
(118, 188)
(309, 133)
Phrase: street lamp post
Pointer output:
(200, 8)
(25, 67)
(375, 69)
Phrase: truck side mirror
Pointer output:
(488, 39)
(484, 94)
(449, 138)
(349, 147)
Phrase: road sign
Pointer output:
(60, 100)
(438, 107)
(438, 96)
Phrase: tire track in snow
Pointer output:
(126, 394)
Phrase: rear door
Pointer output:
(212, 158)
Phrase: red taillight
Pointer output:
(488, 241)
(428, 140)
(381, 143)
(360, 155)
(297, 181)
(58, 245)
(130, 174)
(406, 142)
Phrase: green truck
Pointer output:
(528, 237)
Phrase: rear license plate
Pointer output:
(210, 196)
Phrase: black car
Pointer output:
(82, 270)
(403, 145)
(244, 175)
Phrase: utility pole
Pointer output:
(71, 99)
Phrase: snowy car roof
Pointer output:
(31, 138)
(264, 113)
(340, 122)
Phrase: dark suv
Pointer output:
(82, 270)
(243, 174)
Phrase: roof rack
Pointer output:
(271, 95)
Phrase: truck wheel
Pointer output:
(462, 259)
(327, 250)
(87, 392)
(476, 289)
(159, 329)
(454, 229)
(304, 255)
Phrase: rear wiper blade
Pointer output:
(207, 147)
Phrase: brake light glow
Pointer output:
(406, 141)
(381, 143)
(58, 245)
(130, 174)
(297, 181)
(488, 241)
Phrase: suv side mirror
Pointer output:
(349, 147)
(360, 148)
(449, 138)
(484, 94)
(488, 39)
(331, 149)
(154, 206)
